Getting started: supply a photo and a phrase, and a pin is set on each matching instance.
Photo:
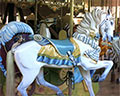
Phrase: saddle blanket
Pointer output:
(50, 55)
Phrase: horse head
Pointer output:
(107, 27)
(97, 23)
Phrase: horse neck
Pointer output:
(84, 38)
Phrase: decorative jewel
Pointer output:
(92, 34)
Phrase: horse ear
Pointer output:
(109, 12)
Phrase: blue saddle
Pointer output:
(62, 46)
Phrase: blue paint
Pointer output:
(62, 46)
(56, 61)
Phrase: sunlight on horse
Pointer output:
(31, 56)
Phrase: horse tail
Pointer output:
(7, 33)
(10, 85)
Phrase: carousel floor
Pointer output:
(78, 91)
(108, 88)
(105, 88)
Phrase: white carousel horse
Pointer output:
(31, 57)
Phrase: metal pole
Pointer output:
(102, 4)
(71, 16)
(70, 87)
(106, 4)
(89, 5)
(70, 76)
(10, 87)
(116, 17)
(36, 9)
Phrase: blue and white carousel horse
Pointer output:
(80, 51)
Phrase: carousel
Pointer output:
(58, 47)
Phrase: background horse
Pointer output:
(116, 57)
(30, 57)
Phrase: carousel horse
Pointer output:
(80, 51)
(44, 31)
(116, 57)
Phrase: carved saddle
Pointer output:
(62, 46)
(55, 51)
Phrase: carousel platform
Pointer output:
(108, 88)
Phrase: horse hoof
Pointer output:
(60, 94)
(96, 78)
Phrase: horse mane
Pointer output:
(90, 22)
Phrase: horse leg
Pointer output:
(88, 81)
(41, 80)
(29, 76)
(88, 65)
(107, 69)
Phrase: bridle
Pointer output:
(103, 22)
(99, 35)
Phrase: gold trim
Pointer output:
(91, 60)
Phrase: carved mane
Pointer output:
(90, 22)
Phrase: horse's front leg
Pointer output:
(87, 78)
(108, 67)
(86, 64)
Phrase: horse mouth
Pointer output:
(107, 38)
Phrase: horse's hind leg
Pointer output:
(28, 78)
(87, 78)
(41, 80)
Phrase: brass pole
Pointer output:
(111, 7)
(10, 87)
(106, 5)
(89, 5)
(71, 16)
(35, 23)
(102, 4)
